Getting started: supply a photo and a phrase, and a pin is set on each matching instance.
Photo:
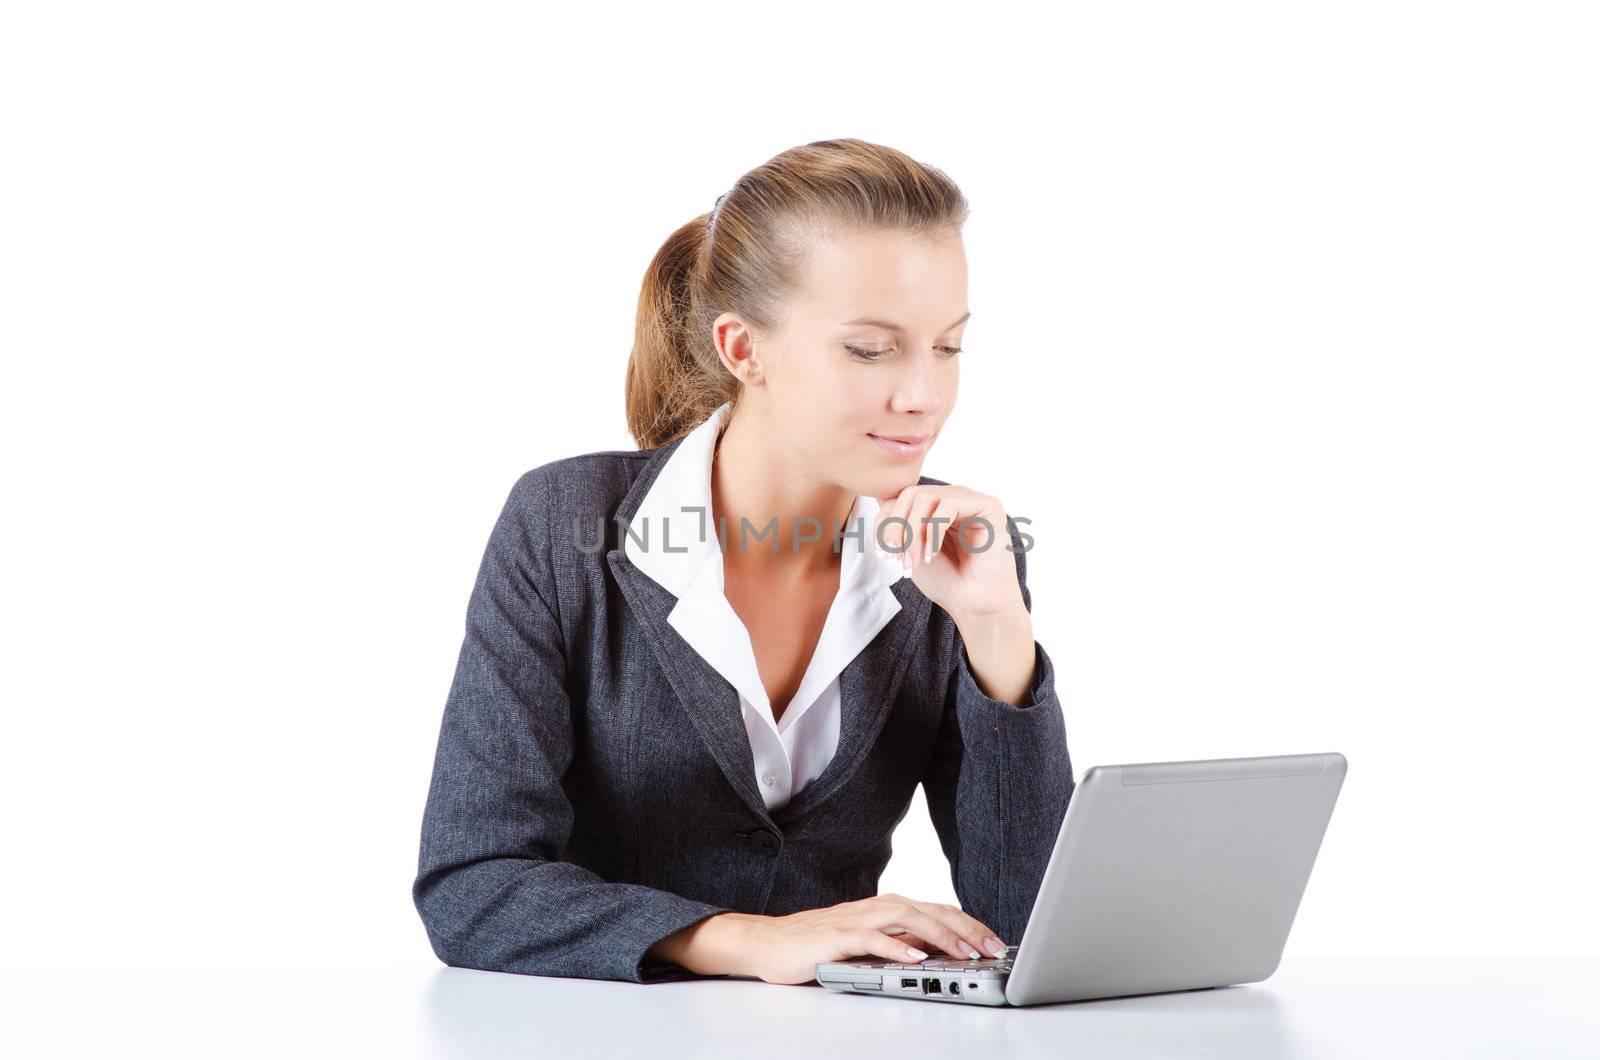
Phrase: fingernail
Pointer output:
(927, 551)
(995, 946)
(916, 954)
(974, 954)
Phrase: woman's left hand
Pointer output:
(961, 564)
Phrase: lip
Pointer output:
(902, 445)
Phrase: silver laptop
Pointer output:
(1165, 876)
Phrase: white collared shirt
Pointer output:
(682, 554)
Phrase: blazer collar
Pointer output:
(661, 578)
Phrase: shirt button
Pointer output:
(770, 777)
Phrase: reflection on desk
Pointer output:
(1313, 1008)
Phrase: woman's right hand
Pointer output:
(787, 949)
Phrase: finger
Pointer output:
(979, 531)
(970, 533)
(942, 519)
(921, 508)
(902, 509)
(877, 944)
(891, 534)
(968, 928)
(936, 930)
(971, 928)
(928, 528)
(909, 939)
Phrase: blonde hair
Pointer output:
(752, 257)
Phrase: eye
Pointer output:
(877, 355)
(866, 355)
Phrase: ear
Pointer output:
(736, 348)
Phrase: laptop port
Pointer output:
(932, 986)
(955, 988)
(908, 984)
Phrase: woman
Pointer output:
(700, 682)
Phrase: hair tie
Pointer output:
(711, 226)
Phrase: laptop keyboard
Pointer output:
(1002, 964)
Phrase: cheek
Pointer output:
(812, 382)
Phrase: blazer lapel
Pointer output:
(710, 701)
(867, 690)
(868, 685)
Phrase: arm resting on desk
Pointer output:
(997, 787)
(490, 889)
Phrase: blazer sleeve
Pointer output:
(998, 785)
(491, 888)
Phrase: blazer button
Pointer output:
(765, 842)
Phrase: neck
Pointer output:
(756, 478)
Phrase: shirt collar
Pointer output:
(674, 522)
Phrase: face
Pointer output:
(862, 372)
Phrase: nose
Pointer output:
(924, 385)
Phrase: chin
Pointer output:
(892, 482)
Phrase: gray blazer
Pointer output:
(594, 789)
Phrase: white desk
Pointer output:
(1517, 1007)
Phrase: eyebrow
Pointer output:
(887, 326)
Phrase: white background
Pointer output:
(1284, 335)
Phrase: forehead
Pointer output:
(912, 279)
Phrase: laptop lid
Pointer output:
(1175, 876)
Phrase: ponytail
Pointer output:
(675, 377)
